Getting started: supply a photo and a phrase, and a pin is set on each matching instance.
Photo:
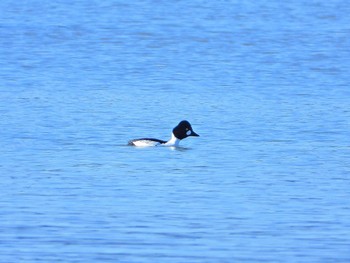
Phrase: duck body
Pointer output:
(144, 142)
(181, 131)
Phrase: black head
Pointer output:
(183, 130)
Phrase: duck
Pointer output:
(180, 132)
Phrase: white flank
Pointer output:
(145, 143)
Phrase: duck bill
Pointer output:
(194, 134)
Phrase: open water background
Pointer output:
(265, 84)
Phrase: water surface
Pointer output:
(266, 86)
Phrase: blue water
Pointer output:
(266, 84)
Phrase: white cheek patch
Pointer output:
(189, 132)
